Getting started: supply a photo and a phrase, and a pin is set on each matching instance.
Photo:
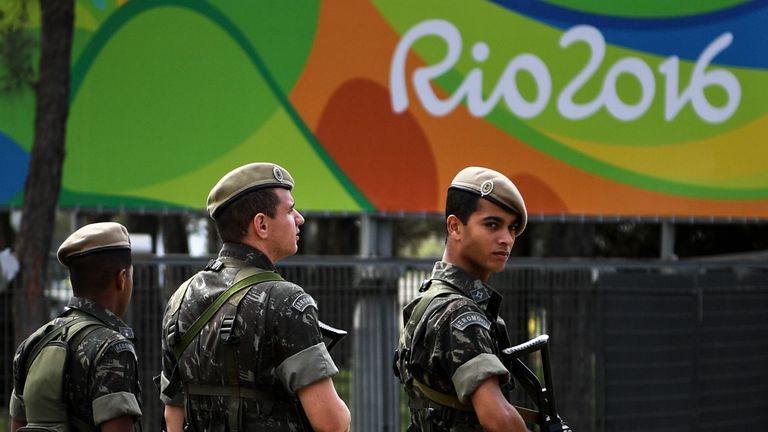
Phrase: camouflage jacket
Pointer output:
(272, 349)
(453, 349)
(103, 379)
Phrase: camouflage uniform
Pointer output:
(453, 349)
(104, 382)
(275, 342)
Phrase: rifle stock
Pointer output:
(332, 333)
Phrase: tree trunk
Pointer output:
(7, 235)
(41, 191)
(175, 234)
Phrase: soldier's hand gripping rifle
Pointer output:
(542, 395)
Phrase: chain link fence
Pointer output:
(646, 346)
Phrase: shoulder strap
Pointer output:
(211, 310)
(442, 398)
(65, 331)
(436, 290)
(178, 297)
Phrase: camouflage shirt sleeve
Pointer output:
(114, 388)
(465, 348)
(169, 361)
(300, 352)
(16, 408)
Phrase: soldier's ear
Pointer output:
(454, 226)
(121, 278)
(260, 225)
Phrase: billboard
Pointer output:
(593, 108)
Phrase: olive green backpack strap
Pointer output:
(435, 290)
(56, 333)
(65, 331)
(46, 363)
(211, 310)
(442, 398)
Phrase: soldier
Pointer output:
(448, 356)
(257, 362)
(98, 364)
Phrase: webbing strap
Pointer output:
(421, 308)
(70, 332)
(78, 323)
(53, 334)
(244, 392)
(442, 398)
(418, 312)
(529, 416)
(209, 312)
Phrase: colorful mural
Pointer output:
(594, 108)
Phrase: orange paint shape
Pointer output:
(354, 45)
(386, 155)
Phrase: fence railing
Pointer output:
(651, 346)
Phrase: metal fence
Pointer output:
(651, 346)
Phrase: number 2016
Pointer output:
(470, 88)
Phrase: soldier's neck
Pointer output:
(454, 258)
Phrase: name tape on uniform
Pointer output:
(303, 301)
(124, 346)
(471, 318)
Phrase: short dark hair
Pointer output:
(232, 222)
(461, 204)
(93, 272)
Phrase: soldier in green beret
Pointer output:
(448, 355)
(79, 372)
(242, 348)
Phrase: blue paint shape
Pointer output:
(14, 164)
(685, 36)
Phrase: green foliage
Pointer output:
(343, 384)
(4, 417)
(17, 47)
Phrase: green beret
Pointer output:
(96, 237)
(247, 178)
(494, 187)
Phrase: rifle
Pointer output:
(332, 333)
(543, 395)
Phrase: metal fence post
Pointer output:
(375, 395)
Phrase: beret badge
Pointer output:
(278, 174)
(486, 188)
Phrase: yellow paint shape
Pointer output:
(733, 159)
(277, 141)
